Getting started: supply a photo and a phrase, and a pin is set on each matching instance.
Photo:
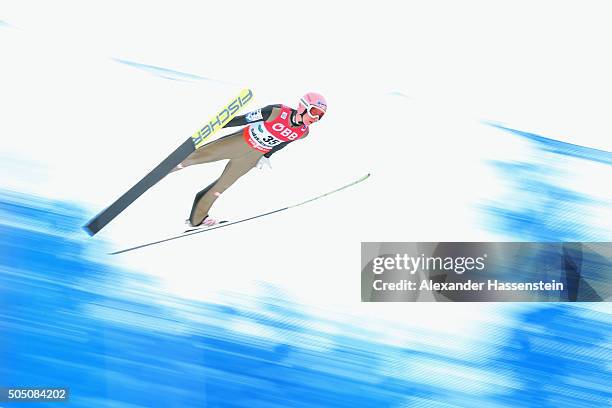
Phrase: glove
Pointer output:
(264, 161)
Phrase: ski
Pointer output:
(185, 149)
(227, 224)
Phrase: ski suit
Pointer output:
(267, 131)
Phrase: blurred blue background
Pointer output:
(69, 319)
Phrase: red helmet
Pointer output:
(314, 104)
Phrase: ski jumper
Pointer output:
(268, 130)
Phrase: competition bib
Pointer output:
(264, 136)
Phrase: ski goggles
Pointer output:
(313, 111)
